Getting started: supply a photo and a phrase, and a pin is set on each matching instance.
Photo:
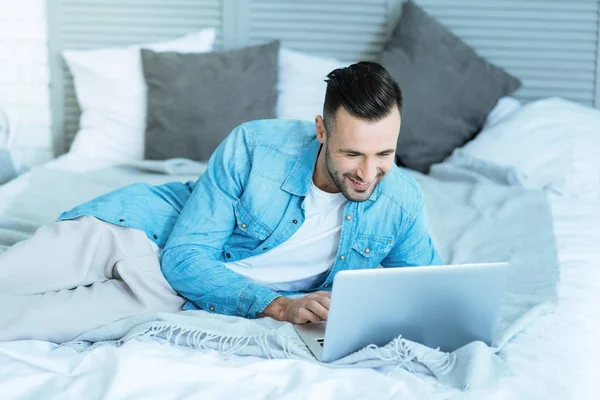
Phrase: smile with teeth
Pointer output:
(359, 185)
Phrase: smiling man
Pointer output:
(282, 207)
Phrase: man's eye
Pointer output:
(352, 155)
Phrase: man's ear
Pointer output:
(321, 133)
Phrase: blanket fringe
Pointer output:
(274, 344)
(225, 345)
(396, 352)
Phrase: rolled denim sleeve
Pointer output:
(415, 246)
(191, 258)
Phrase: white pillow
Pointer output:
(111, 91)
(302, 84)
(504, 107)
(554, 143)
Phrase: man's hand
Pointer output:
(313, 308)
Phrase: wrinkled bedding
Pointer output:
(472, 219)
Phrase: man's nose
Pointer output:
(368, 171)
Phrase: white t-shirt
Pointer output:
(301, 260)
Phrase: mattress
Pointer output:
(550, 360)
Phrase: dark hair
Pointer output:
(365, 89)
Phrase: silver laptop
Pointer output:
(443, 307)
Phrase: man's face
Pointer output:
(358, 153)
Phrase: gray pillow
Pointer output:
(195, 100)
(447, 88)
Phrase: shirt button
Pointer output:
(367, 250)
(155, 236)
(265, 248)
(121, 220)
(295, 221)
(211, 308)
(342, 258)
(326, 285)
(243, 226)
(228, 255)
(348, 217)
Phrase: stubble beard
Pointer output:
(343, 185)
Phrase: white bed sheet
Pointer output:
(68, 162)
(554, 359)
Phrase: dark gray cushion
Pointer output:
(448, 89)
(195, 100)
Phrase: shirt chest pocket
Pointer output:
(371, 248)
(249, 231)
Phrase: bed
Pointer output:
(551, 359)
(524, 141)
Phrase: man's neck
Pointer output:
(321, 177)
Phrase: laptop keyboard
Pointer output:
(320, 341)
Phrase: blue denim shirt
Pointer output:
(250, 200)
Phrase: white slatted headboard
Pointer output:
(552, 45)
(350, 30)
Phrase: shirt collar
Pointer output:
(300, 177)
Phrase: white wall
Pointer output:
(24, 77)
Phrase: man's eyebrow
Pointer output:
(350, 151)
(387, 151)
